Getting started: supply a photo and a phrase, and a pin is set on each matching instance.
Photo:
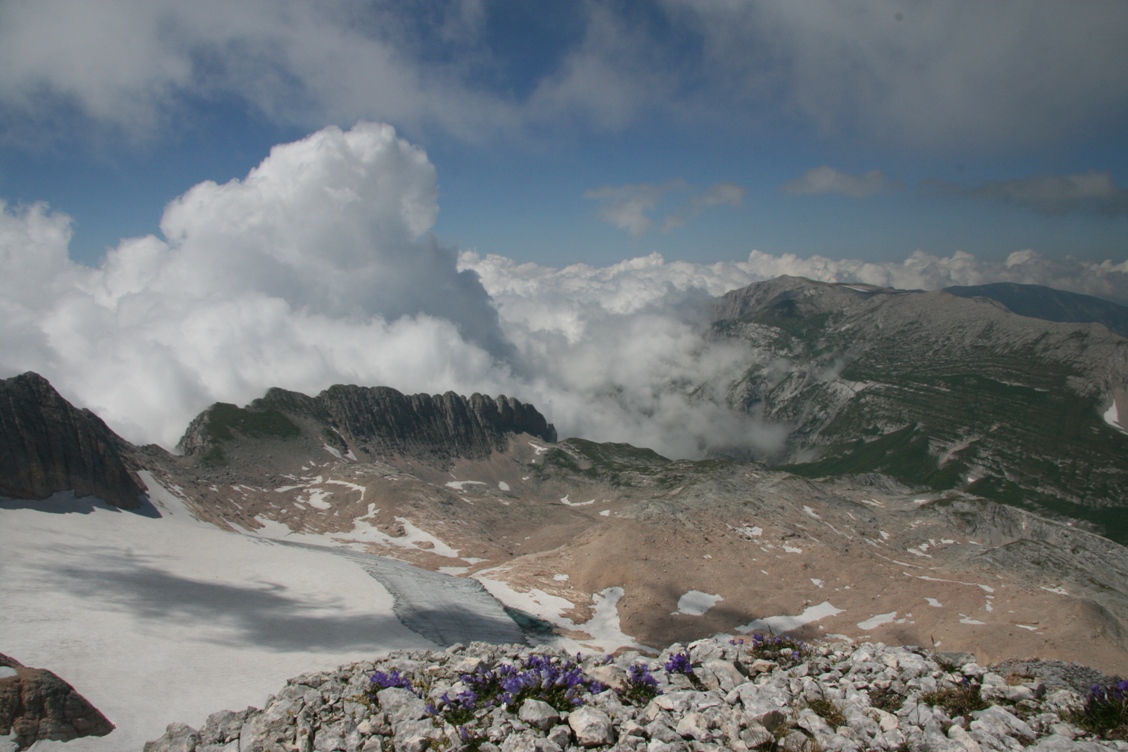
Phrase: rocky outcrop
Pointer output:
(48, 445)
(717, 693)
(377, 421)
(36, 704)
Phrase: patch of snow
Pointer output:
(920, 551)
(984, 588)
(458, 485)
(1027, 626)
(349, 455)
(604, 628)
(502, 485)
(1112, 417)
(7, 672)
(332, 451)
(968, 620)
(539, 449)
(1059, 590)
(605, 513)
(934, 603)
(876, 621)
(884, 535)
(817, 583)
(560, 577)
(353, 486)
(454, 570)
(362, 533)
(568, 503)
(117, 603)
(696, 603)
(792, 549)
(781, 624)
(871, 502)
(811, 513)
(317, 498)
(472, 560)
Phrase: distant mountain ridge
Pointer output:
(937, 391)
(1050, 304)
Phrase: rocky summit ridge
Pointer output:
(376, 421)
(720, 693)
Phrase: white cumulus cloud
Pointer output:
(318, 268)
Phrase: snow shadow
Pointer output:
(260, 615)
(65, 502)
(267, 616)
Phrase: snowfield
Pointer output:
(158, 617)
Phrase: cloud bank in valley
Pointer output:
(319, 267)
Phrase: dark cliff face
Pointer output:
(48, 445)
(377, 420)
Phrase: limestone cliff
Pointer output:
(48, 445)
(376, 421)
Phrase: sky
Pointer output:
(202, 200)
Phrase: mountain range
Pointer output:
(954, 476)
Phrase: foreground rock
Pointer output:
(36, 704)
(717, 694)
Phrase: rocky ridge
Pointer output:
(376, 422)
(719, 693)
(48, 445)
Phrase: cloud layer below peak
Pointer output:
(319, 267)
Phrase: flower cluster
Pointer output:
(641, 687)
(680, 663)
(381, 680)
(560, 683)
(1106, 711)
(785, 651)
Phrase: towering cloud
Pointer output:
(319, 267)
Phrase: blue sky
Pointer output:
(202, 200)
(110, 109)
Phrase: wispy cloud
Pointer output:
(631, 207)
(825, 179)
(1090, 193)
(628, 206)
(959, 75)
(720, 194)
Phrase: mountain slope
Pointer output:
(938, 392)
(1047, 303)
